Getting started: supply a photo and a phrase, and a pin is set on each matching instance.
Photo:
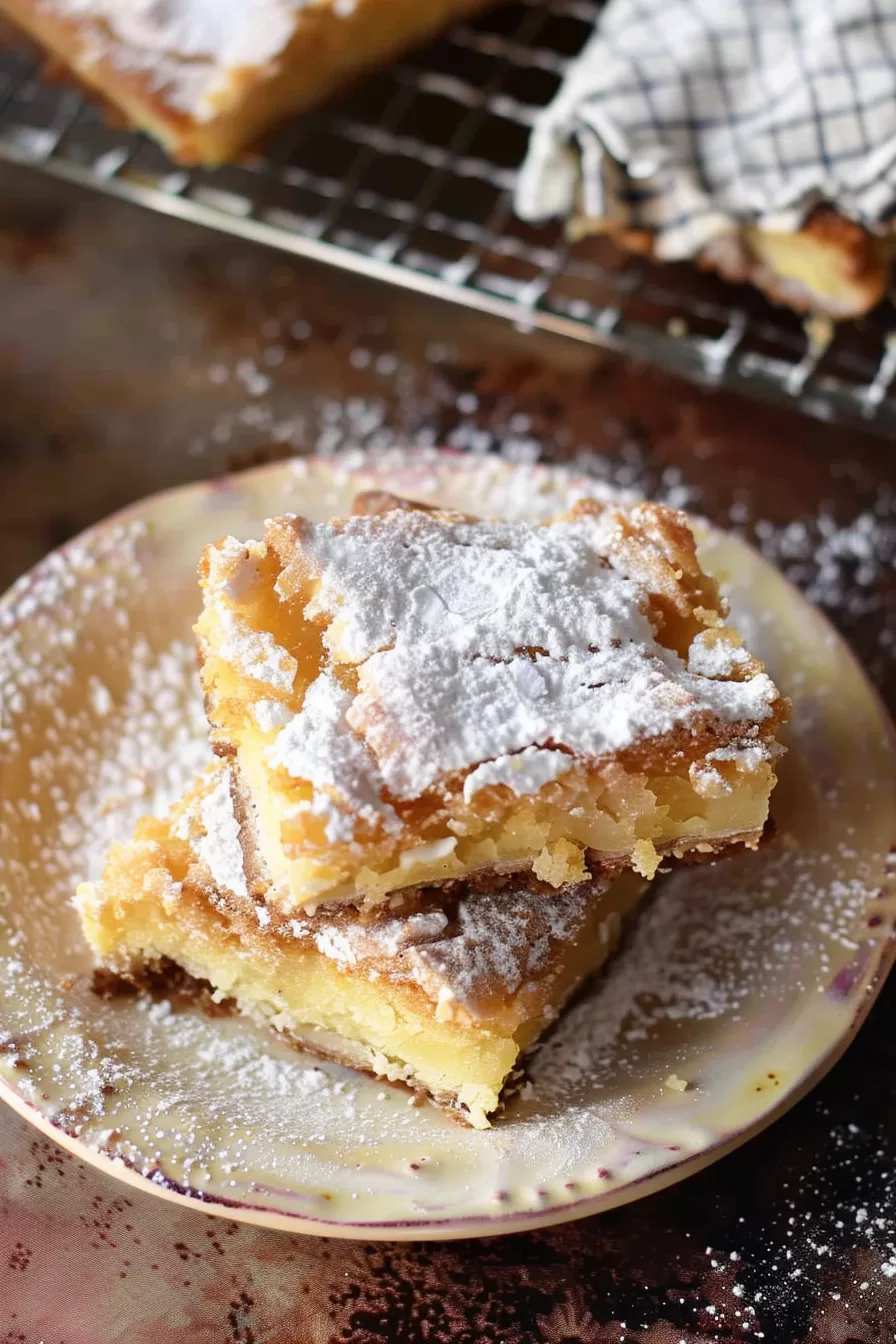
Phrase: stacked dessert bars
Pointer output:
(449, 755)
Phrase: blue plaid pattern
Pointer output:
(681, 116)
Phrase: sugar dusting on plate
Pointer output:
(216, 1104)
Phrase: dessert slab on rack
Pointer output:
(757, 141)
(206, 79)
(736, 985)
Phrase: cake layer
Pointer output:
(205, 79)
(409, 696)
(443, 992)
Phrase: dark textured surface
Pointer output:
(137, 353)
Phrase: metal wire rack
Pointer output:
(410, 179)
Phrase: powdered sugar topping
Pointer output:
(525, 772)
(270, 714)
(709, 656)
(318, 745)
(490, 943)
(478, 640)
(232, 568)
(190, 47)
(219, 847)
(255, 652)
(486, 588)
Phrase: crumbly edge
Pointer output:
(862, 259)
(680, 851)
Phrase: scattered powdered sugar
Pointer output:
(838, 565)
(136, 772)
(126, 746)
(280, 1075)
(100, 697)
(72, 583)
(846, 567)
(715, 945)
(816, 1255)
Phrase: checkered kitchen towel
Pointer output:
(682, 116)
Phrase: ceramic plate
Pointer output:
(737, 987)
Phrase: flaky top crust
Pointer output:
(427, 655)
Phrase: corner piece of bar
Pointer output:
(207, 79)
(411, 696)
(443, 994)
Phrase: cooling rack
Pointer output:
(409, 179)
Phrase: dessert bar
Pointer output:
(443, 992)
(409, 696)
(206, 79)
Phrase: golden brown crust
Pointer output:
(656, 546)
(830, 266)
(858, 249)
(328, 50)
(374, 503)
(257, 877)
